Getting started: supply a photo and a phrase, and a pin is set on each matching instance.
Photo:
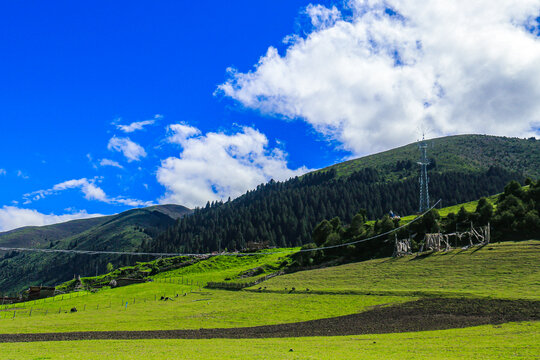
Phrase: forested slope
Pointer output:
(285, 213)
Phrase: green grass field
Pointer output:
(205, 309)
(512, 340)
(502, 270)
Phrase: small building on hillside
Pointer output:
(40, 292)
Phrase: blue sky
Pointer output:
(221, 96)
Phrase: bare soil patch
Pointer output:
(420, 315)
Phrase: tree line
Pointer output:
(285, 213)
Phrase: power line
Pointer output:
(157, 254)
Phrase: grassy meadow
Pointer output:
(511, 340)
(502, 270)
(507, 270)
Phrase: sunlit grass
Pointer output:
(513, 340)
(502, 270)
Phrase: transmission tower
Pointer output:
(424, 162)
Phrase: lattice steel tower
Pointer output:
(424, 162)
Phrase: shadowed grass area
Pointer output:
(512, 340)
(503, 270)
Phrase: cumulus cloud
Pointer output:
(12, 217)
(3, 172)
(108, 162)
(90, 190)
(132, 151)
(139, 125)
(372, 78)
(217, 165)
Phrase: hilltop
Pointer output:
(459, 153)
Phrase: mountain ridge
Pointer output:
(472, 152)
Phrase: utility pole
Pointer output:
(423, 162)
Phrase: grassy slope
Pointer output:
(455, 153)
(105, 310)
(220, 268)
(469, 206)
(502, 270)
(513, 340)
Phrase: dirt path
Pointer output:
(424, 314)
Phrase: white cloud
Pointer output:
(369, 80)
(132, 151)
(139, 125)
(179, 133)
(12, 217)
(3, 172)
(321, 16)
(22, 175)
(218, 165)
(90, 190)
(108, 162)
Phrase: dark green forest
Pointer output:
(516, 216)
(285, 213)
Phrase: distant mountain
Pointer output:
(452, 153)
(122, 232)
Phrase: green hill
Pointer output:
(122, 232)
(30, 236)
(465, 168)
